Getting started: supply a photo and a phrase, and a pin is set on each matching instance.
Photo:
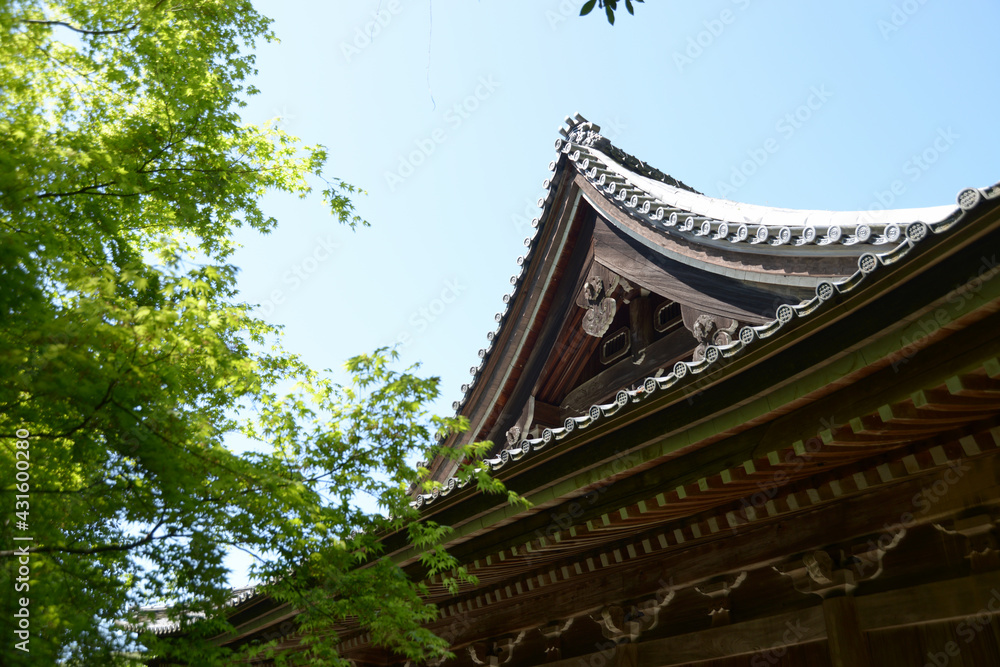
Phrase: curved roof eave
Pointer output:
(681, 211)
(642, 194)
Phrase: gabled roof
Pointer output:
(813, 258)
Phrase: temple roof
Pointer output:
(668, 205)
(713, 235)
(161, 620)
(888, 345)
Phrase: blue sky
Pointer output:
(446, 113)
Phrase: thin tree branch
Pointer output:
(82, 190)
(82, 31)
(150, 536)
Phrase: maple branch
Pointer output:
(150, 536)
(82, 31)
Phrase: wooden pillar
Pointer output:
(626, 655)
(847, 643)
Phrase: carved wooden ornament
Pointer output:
(601, 310)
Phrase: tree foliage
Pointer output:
(128, 358)
(609, 7)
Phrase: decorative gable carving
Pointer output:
(708, 329)
(601, 307)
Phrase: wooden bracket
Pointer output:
(553, 633)
(719, 591)
(818, 573)
(708, 329)
(980, 537)
(626, 624)
(496, 652)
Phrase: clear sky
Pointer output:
(446, 112)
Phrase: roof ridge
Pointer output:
(589, 135)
